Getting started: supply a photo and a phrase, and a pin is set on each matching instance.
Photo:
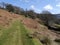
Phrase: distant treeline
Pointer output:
(46, 17)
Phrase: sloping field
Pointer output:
(16, 31)
(15, 35)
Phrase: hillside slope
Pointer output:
(7, 18)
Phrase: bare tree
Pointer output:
(2, 5)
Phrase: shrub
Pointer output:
(10, 8)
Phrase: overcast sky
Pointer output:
(37, 5)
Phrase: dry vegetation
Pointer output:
(6, 18)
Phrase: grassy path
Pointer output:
(15, 35)
(11, 36)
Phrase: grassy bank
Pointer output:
(16, 35)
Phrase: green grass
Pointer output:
(16, 35)
(25, 39)
(7, 34)
(36, 42)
